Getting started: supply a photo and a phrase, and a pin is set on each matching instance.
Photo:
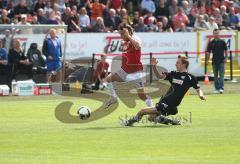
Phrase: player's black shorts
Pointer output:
(166, 109)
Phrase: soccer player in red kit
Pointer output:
(131, 69)
(101, 72)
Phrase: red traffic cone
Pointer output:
(206, 80)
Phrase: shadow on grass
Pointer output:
(126, 127)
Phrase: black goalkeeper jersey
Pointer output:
(180, 83)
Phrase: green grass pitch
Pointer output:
(30, 133)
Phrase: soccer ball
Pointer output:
(84, 112)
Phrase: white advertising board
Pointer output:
(165, 46)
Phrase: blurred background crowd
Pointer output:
(106, 15)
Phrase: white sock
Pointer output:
(149, 102)
(111, 90)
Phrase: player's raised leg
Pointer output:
(108, 81)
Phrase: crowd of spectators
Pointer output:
(106, 15)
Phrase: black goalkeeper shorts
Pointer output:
(165, 109)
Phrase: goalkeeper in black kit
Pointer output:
(180, 81)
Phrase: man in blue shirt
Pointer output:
(3, 64)
(52, 49)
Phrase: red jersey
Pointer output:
(102, 69)
(131, 59)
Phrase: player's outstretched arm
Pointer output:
(156, 71)
(200, 94)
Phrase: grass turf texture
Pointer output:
(30, 133)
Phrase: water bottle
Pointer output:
(14, 88)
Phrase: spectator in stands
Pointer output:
(148, 5)
(124, 16)
(162, 10)
(35, 20)
(66, 14)
(1, 5)
(132, 6)
(60, 22)
(135, 18)
(216, 3)
(99, 26)
(24, 22)
(159, 25)
(52, 49)
(41, 16)
(75, 20)
(39, 4)
(218, 17)
(140, 26)
(200, 23)
(75, 8)
(112, 21)
(179, 18)
(192, 18)
(15, 21)
(87, 5)
(147, 16)
(72, 21)
(59, 5)
(71, 3)
(52, 18)
(173, 8)
(48, 8)
(116, 4)
(212, 24)
(166, 25)
(100, 72)
(151, 26)
(186, 7)
(96, 11)
(225, 16)
(30, 5)
(233, 19)
(84, 20)
(21, 8)
(58, 13)
(4, 17)
(18, 62)
(202, 8)
(232, 4)
(125, 19)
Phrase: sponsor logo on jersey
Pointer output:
(177, 81)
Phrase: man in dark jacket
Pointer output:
(218, 47)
